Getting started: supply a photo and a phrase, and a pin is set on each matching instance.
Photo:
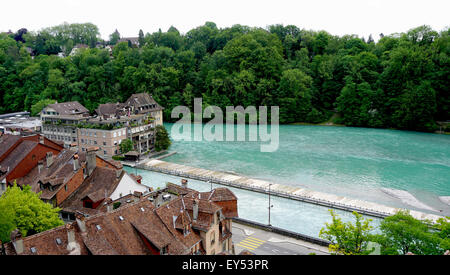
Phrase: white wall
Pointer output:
(126, 186)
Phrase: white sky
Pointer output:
(339, 17)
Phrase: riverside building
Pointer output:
(135, 119)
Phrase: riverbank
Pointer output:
(300, 194)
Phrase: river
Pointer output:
(391, 167)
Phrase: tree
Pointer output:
(114, 37)
(38, 106)
(443, 232)
(162, 138)
(141, 38)
(402, 233)
(126, 146)
(348, 238)
(24, 210)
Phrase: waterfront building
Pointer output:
(135, 119)
(60, 121)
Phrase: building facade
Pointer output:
(136, 119)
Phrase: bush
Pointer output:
(119, 158)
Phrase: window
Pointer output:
(65, 187)
(58, 241)
(104, 143)
(104, 152)
(164, 250)
(213, 237)
(115, 134)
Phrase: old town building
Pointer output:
(19, 155)
(152, 224)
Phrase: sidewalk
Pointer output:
(263, 242)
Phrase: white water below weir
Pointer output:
(295, 193)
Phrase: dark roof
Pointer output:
(132, 153)
(143, 100)
(220, 194)
(175, 216)
(106, 234)
(45, 243)
(6, 142)
(69, 108)
(110, 109)
(131, 39)
(126, 230)
(59, 173)
(102, 178)
(17, 155)
(97, 196)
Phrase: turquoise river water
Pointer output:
(391, 167)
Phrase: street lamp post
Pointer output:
(270, 205)
(210, 183)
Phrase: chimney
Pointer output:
(40, 166)
(80, 221)
(49, 158)
(76, 164)
(91, 159)
(17, 241)
(184, 183)
(195, 209)
(70, 236)
(137, 195)
(109, 205)
(72, 245)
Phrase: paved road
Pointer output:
(262, 242)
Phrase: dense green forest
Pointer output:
(401, 81)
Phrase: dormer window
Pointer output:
(186, 230)
(33, 250)
(165, 250)
(58, 241)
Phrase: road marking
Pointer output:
(251, 243)
(256, 240)
(245, 247)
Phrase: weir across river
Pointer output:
(294, 193)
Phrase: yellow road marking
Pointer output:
(245, 247)
(253, 241)
(256, 240)
(249, 244)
